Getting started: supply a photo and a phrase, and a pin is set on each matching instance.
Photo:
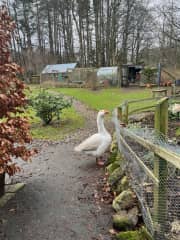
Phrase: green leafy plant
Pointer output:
(149, 74)
(174, 116)
(49, 106)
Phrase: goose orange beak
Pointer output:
(106, 112)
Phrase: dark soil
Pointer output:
(64, 197)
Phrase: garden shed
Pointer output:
(82, 75)
(108, 74)
(130, 74)
(57, 72)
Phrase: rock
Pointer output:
(118, 188)
(175, 227)
(114, 145)
(123, 184)
(111, 167)
(141, 116)
(115, 155)
(130, 235)
(113, 150)
(112, 157)
(115, 176)
(119, 157)
(124, 200)
(133, 215)
(122, 222)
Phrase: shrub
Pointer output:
(49, 106)
(14, 130)
(150, 74)
(174, 116)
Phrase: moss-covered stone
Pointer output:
(115, 176)
(117, 188)
(130, 235)
(10, 193)
(111, 167)
(114, 145)
(126, 220)
(119, 157)
(121, 185)
(124, 200)
(115, 154)
(114, 151)
(133, 215)
(112, 156)
(122, 222)
(141, 234)
(124, 183)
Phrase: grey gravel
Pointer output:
(57, 202)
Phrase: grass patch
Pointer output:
(107, 98)
(70, 120)
(100, 99)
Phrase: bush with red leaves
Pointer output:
(14, 130)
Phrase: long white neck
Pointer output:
(100, 125)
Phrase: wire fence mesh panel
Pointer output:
(141, 183)
(162, 226)
(158, 195)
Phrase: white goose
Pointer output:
(99, 142)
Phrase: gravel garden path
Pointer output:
(59, 200)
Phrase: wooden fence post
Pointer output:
(160, 168)
(119, 113)
(125, 113)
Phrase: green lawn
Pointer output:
(105, 98)
(70, 121)
(100, 99)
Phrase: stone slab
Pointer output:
(10, 191)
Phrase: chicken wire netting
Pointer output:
(165, 225)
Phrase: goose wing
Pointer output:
(90, 143)
(102, 147)
(100, 150)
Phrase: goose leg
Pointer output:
(100, 161)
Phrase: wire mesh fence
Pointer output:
(159, 197)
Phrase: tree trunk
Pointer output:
(96, 23)
(50, 32)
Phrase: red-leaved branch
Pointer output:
(14, 130)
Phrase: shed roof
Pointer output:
(58, 68)
(107, 71)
